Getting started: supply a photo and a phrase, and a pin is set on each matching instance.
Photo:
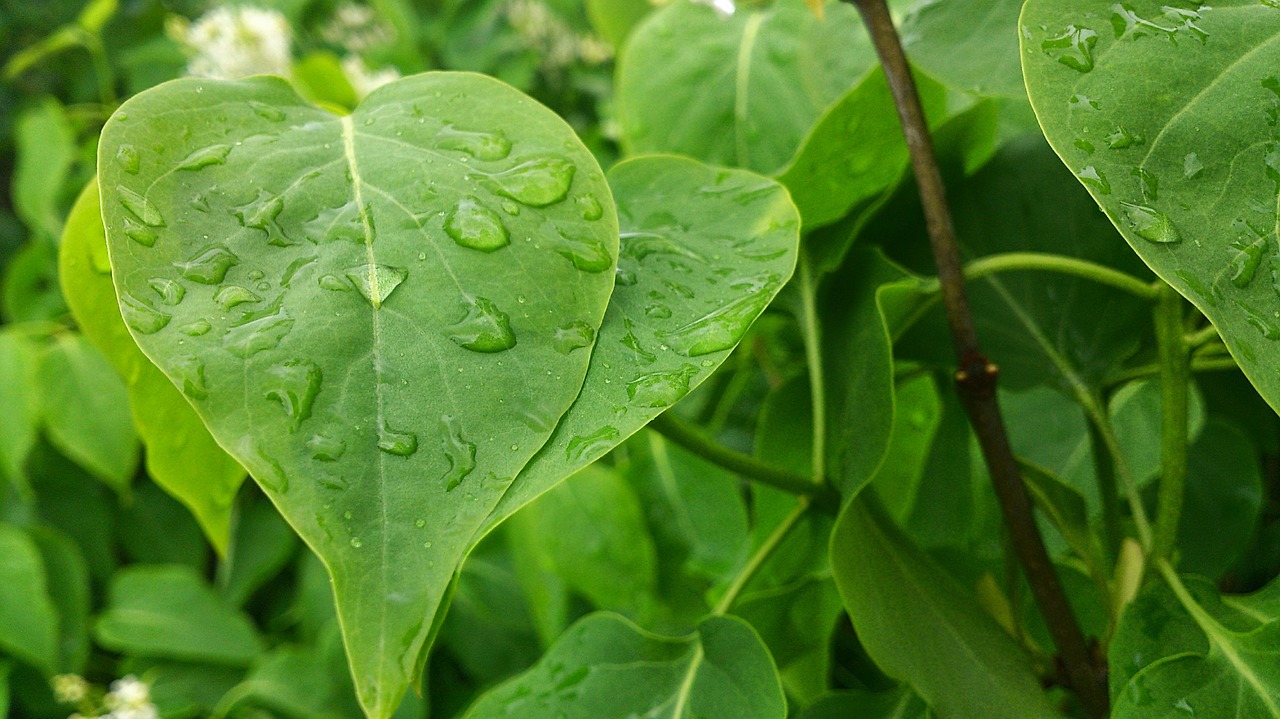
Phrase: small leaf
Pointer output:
(28, 617)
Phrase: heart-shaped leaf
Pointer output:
(1170, 115)
(382, 316)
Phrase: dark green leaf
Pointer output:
(28, 617)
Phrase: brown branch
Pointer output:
(976, 376)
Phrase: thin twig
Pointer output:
(976, 376)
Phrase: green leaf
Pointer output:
(155, 529)
(290, 681)
(917, 413)
(28, 617)
(489, 629)
(969, 45)
(613, 20)
(900, 703)
(386, 435)
(20, 396)
(1180, 650)
(5, 668)
(796, 622)
(86, 410)
(739, 89)
(30, 291)
(261, 546)
(1167, 115)
(182, 457)
(591, 532)
(67, 579)
(170, 612)
(1223, 502)
(45, 146)
(604, 667)
(1066, 510)
(182, 690)
(704, 251)
(1135, 410)
(923, 628)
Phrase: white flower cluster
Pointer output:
(357, 28)
(238, 41)
(545, 32)
(363, 80)
(129, 698)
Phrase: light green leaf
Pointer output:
(86, 410)
(614, 19)
(181, 455)
(20, 396)
(969, 45)
(604, 667)
(167, 611)
(1167, 115)
(1181, 650)
(704, 251)
(45, 147)
(28, 617)
(900, 703)
(67, 579)
(1135, 410)
(923, 628)
(382, 328)
(740, 89)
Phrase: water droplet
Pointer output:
(325, 447)
(205, 156)
(510, 208)
(140, 207)
(419, 523)
(536, 183)
(346, 516)
(657, 311)
(1083, 102)
(335, 283)
(142, 317)
(258, 331)
(292, 270)
(1120, 138)
(401, 444)
(572, 336)
(1148, 184)
(262, 214)
(1259, 320)
(1073, 47)
(272, 475)
(196, 329)
(1244, 264)
(484, 327)
(266, 112)
(1192, 166)
(296, 384)
(473, 225)
(588, 254)
(128, 158)
(208, 266)
(624, 278)
(334, 224)
(355, 542)
(661, 389)
(376, 282)
(631, 342)
(1094, 178)
(587, 447)
(460, 453)
(1272, 161)
(721, 328)
(232, 295)
(171, 291)
(190, 372)
(590, 207)
(486, 146)
(1150, 224)
(1084, 145)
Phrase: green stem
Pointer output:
(1104, 468)
(101, 69)
(1202, 336)
(1097, 415)
(753, 565)
(1046, 262)
(1174, 375)
(1197, 364)
(689, 437)
(813, 357)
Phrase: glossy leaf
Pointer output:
(1167, 115)
(182, 457)
(603, 667)
(704, 251)
(736, 89)
(381, 328)
(86, 410)
(1182, 650)
(167, 611)
(28, 617)
(923, 628)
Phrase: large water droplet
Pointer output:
(401, 444)
(536, 183)
(484, 327)
(140, 207)
(208, 266)
(486, 146)
(1192, 166)
(661, 389)
(196, 329)
(631, 342)
(343, 223)
(262, 214)
(268, 471)
(1093, 177)
(295, 384)
(140, 233)
(258, 331)
(294, 268)
(142, 317)
(171, 291)
(1246, 261)
(587, 447)
(460, 453)
(1150, 224)
(572, 336)
(128, 158)
(588, 254)
(232, 295)
(722, 328)
(326, 447)
(1073, 47)
(377, 282)
(1148, 184)
(1120, 138)
(590, 207)
(205, 156)
(335, 283)
(640, 245)
(190, 372)
(475, 226)
(624, 278)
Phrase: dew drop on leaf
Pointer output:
(296, 384)
(1150, 224)
(190, 372)
(1072, 47)
(1192, 166)
(536, 183)
(170, 291)
(590, 207)
(266, 112)
(1246, 260)
(140, 207)
(232, 295)
(128, 158)
(205, 156)
(355, 542)
(325, 447)
(140, 233)
(460, 453)
(401, 444)
(572, 336)
(262, 214)
(475, 226)
(487, 146)
(1093, 177)
(589, 446)
(208, 266)
(587, 254)
(377, 282)
(484, 327)
(196, 329)
(335, 283)
(258, 331)
(142, 317)
(720, 329)
(661, 389)
(1259, 320)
